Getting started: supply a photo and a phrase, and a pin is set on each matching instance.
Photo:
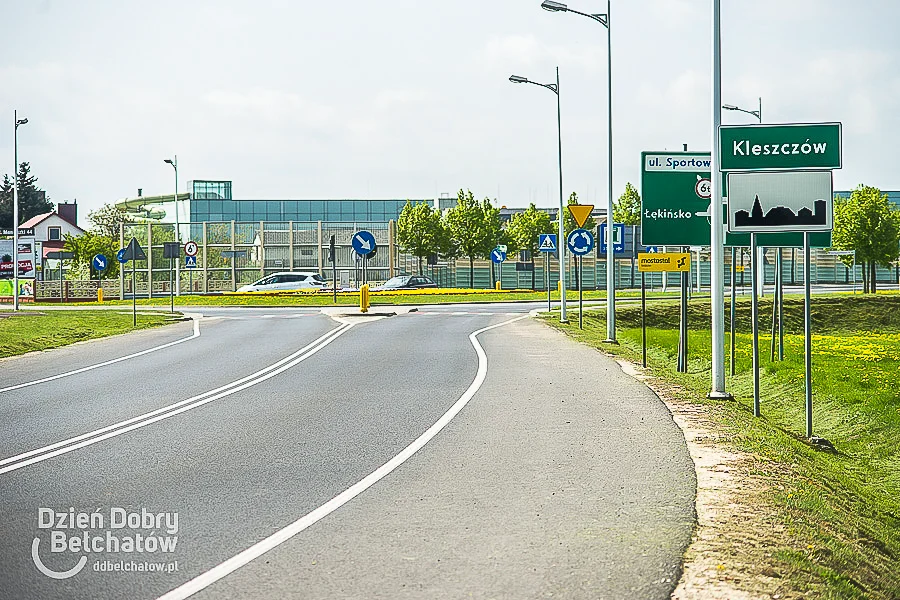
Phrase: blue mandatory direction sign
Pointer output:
(580, 242)
(99, 262)
(547, 242)
(120, 256)
(618, 238)
(190, 262)
(363, 242)
(497, 256)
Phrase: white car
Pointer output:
(286, 281)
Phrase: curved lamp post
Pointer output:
(561, 241)
(603, 19)
(15, 225)
(174, 163)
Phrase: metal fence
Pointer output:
(235, 253)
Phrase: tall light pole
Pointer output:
(603, 19)
(174, 163)
(717, 230)
(561, 240)
(15, 226)
(760, 251)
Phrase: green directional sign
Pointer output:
(675, 193)
(675, 205)
(780, 147)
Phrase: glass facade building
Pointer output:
(212, 201)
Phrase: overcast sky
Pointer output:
(411, 98)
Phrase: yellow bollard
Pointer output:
(364, 298)
(100, 295)
(559, 286)
(498, 286)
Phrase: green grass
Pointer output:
(29, 331)
(840, 512)
(352, 299)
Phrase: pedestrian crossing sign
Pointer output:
(547, 242)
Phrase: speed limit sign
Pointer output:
(703, 187)
(190, 248)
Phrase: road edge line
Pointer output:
(244, 557)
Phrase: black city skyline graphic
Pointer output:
(780, 216)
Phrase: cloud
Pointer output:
(527, 51)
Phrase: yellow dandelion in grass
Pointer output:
(720, 567)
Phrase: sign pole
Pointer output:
(643, 321)
(717, 233)
(547, 277)
(580, 305)
(780, 266)
(754, 316)
(731, 328)
(171, 286)
(807, 333)
(133, 296)
(774, 316)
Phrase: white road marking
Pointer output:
(98, 435)
(196, 334)
(279, 537)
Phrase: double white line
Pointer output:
(47, 452)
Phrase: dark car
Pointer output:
(407, 282)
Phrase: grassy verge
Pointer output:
(30, 330)
(833, 526)
(352, 299)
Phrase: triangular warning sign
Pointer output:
(134, 251)
(581, 212)
(547, 244)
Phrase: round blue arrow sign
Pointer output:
(99, 262)
(497, 256)
(580, 242)
(120, 256)
(363, 242)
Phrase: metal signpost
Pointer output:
(60, 256)
(797, 197)
(363, 243)
(191, 248)
(547, 245)
(618, 238)
(581, 213)
(498, 255)
(333, 259)
(655, 262)
(100, 263)
(172, 251)
(580, 242)
(132, 252)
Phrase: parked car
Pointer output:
(286, 281)
(407, 282)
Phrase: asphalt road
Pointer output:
(312, 457)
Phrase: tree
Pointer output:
(627, 209)
(569, 220)
(869, 224)
(420, 231)
(85, 247)
(474, 229)
(108, 219)
(524, 229)
(32, 200)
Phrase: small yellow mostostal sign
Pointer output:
(664, 261)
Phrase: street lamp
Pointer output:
(755, 113)
(760, 252)
(16, 210)
(174, 163)
(603, 19)
(561, 241)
